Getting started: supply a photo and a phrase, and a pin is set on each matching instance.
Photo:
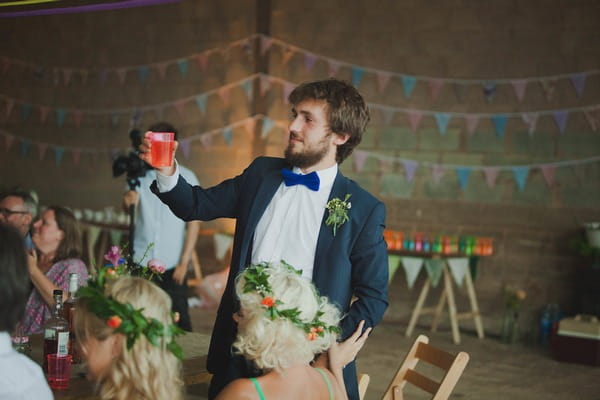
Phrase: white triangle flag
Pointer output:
(412, 267)
(459, 268)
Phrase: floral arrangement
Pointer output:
(338, 212)
(257, 280)
(124, 318)
(513, 298)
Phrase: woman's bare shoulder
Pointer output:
(238, 389)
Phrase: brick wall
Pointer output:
(459, 39)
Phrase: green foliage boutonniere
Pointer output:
(338, 212)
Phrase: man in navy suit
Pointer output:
(280, 207)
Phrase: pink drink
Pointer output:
(161, 151)
(59, 371)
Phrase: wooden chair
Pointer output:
(363, 383)
(451, 365)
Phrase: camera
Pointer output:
(131, 164)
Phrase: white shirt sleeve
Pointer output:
(167, 182)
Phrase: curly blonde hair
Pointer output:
(144, 372)
(279, 343)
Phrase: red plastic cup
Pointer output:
(59, 371)
(161, 148)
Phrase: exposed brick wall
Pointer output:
(458, 39)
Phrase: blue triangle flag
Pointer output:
(520, 174)
(442, 120)
(500, 121)
(463, 174)
(267, 125)
(25, 111)
(357, 75)
(60, 117)
(58, 154)
(228, 135)
(408, 83)
(201, 102)
(143, 73)
(24, 147)
(183, 66)
(247, 86)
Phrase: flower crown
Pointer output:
(257, 280)
(123, 317)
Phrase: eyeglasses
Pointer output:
(7, 213)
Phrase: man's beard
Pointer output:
(308, 157)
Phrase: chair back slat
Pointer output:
(434, 356)
(421, 381)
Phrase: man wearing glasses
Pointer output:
(18, 208)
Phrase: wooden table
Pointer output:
(195, 349)
(446, 296)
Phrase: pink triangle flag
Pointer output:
(250, 125)
(121, 73)
(206, 140)
(491, 173)
(360, 157)
(472, 120)
(265, 84)
(42, 147)
(44, 113)
(414, 117)
(76, 156)
(202, 60)
(180, 106)
(162, 70)
(287, 89)
(531, 120)
(519, 85)
(410, 167)
(591, 119)
(548, 171)
(224, 95)
(309, 61)
(334, 67)
(548, 85)
(265, 44)
(67, 75)
(8, 141)
(185, 148)
(437, 172)
(77, 118)
(435, 86)
(10, 103)
(287, 55)
(383, 78)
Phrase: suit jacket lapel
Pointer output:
(267, 188)
(339, 190)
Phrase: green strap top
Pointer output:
(329, 389)
(261, 395)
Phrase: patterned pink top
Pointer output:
(36, 310)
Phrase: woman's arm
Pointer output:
(42, 284)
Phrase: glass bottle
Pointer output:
(69, 311)
(56, 331)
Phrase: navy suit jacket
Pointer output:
(351, 264)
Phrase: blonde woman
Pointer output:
(282, 325)
(128, 365)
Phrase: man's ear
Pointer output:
(340, 138)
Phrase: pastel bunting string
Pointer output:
(85, 8)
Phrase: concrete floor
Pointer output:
(495, 370)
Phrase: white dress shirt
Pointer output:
(289, 228)
(20, 377)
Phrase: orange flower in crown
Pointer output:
(114, 322)
(268, 302)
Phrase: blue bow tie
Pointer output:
(311, 180)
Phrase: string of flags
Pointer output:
(458, 266)
(464, 172)
(489, 86)
(414, 117)
(116, 5)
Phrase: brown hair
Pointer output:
(346, 110)
(71, 245)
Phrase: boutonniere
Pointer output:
(338, 212)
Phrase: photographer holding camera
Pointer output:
(174, 239)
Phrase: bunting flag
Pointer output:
(578, 81)
(143, 73)
(414, 118)
(548, 174)
(442, 120)
(222, 243)
(357, 75)
(265, 44)
(393, 264)
(309, 61)
(520, 86)
(58, 155)
(499, 121)
(201, 103)
(591, 119)
(44, 114)
(206, 141)
(382, 81)
(489, 91)
(184, 145)
(561, 117)
(334, 67)
(228, 135)
(266, 127)
(531, 120)
(60, 117)
(458, 268)
(247, 88)
(435, 86)
(410, 167)
(471, 121)
(250, 125)
(288, 53)
(491, 173)
(162, 70)
(548, 85)
(42, 150)
(224, 95)
(463, 174)
(408, 83)
(437, 171)
(520, 174)
(359, 160)
(183, 67)
(412, 267)
(25, 111)
(434, 268)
